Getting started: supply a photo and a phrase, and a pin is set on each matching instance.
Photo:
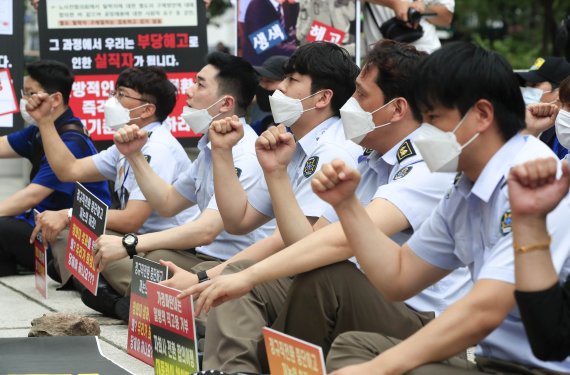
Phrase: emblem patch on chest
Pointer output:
(311, 166)
(506, 222)
(402, 172)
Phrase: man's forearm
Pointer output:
(231, 198)
(292, 222)
(202, 231)
(256, 252)
(321, 248)
(534, 270)
(367, 241)
(443, 18)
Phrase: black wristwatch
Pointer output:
(130, 241)
(202, 276)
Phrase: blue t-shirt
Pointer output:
(26, 140)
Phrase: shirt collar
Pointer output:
(391, 157)
(67, 117)
(310, 141)
(205, 141)
(495, 170)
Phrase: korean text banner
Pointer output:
(12, 59)
(100, 38)
(268, 28)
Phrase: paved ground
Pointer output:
(20, 302)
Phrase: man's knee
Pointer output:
(352, 348)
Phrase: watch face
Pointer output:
(129, 240)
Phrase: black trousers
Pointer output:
(15, 247)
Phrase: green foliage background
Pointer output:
(528, 32)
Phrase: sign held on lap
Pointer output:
(174, 344)
(288, 355)
(88, 222)
(139, 343)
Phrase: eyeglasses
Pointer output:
(120, 95)
(27, 96)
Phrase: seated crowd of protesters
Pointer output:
(395, 215)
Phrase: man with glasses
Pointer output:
(145, 97)
(45, 191)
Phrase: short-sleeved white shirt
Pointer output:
(165, 156)
(197, 185)
(471, 227)
(321, 145)
(429, 42)
(402, 177)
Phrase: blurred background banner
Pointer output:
(12, 55)
(100, 38)
(277, 27)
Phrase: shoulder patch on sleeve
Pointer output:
(311, 166)
(405, 151)
(147, 158)
(506, 222)
(402, 172)
(238, 172)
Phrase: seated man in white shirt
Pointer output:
(475, 112)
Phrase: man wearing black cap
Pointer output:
(540, 84)
(270, 76)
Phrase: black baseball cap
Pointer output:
(551, 69)
(272, 68)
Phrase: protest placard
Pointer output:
(173, 331)
(139, 343)
(288, 355)
(88, 221)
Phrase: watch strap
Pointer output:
(202, 276)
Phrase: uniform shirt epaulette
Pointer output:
(406, 150)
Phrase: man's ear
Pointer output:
(148, 110)
(228, 104)
(400, 109)
(57, 100)
(485, 114)
(324, 98)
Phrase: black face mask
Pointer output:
(262, 96)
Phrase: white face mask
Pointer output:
(286, 110)
(562, 126)
(28, 119)
(440, 150)
(531, 95)
(199, 119)
(357, 122)
(117, 116)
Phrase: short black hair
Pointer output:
(236, 77)
(53, 76)
(460, 73)
(329, 66)
(396, 63)
(153, 84)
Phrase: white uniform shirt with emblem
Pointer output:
(471, 227)
(197, 185)
(402, 178)
(376, 15)
(321, 145)
(166, 157)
